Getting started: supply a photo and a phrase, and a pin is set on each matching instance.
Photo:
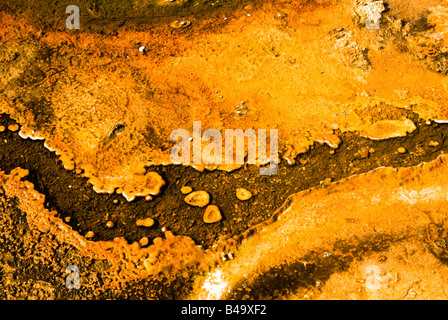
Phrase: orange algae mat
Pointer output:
(108, 109)
(309, 71)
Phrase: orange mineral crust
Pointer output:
(308, 69)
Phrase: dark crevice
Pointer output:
(72, 196)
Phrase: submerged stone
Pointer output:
(186, 190)
(198, 199)
(180, 24)
(212, 214)
(243, 194)
(148, 222)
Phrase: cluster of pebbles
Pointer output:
(201, 199)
